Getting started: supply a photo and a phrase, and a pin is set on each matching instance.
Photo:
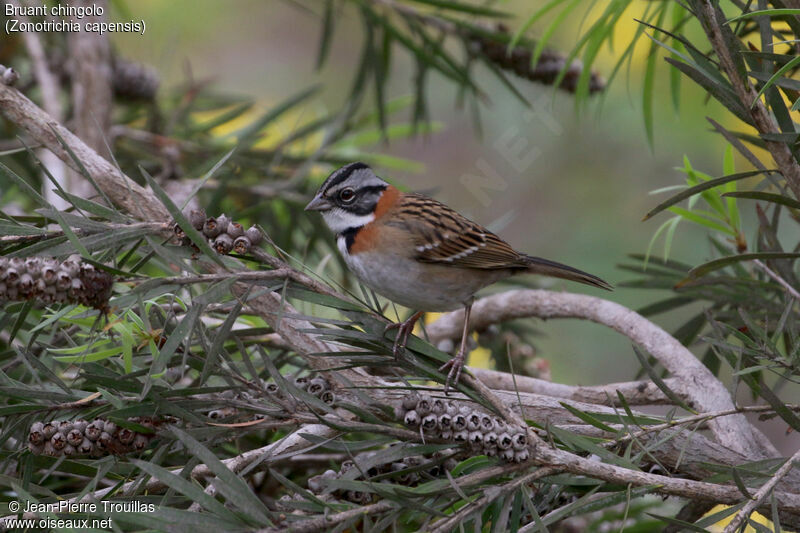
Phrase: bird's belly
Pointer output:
(419, 286)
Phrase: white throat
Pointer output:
(340, 220)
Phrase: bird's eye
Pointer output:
(347, 195)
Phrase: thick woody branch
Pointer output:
(635, 392)
(123, 191)
(695, 382)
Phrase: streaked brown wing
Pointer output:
(441, 235)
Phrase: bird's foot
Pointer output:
(456, 364)
(404, 329)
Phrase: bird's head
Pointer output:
(347, 199)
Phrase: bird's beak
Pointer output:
(319, 203)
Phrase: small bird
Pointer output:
(419, 253)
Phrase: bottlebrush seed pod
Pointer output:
(346, 466)
(197, 218)
(49, 274)
(48, 430)
(36, 449)
(445, 421)
(301, 382)
(140, 442)
(72, 266)
(459, 422)
(504, 441)
(253, 234)
(211, 228)
(85, 447)
(490, 451)
(58, 440)
(109, 427)
(476, 439)
(63, 280)
(49, 449)
(126, 436)
(410, 402)
(272, 388)
(429, 422)
(520, 441)
(36, 435)
(222, 223)
(521, 455)
(74, 437)
(235, 229)
(473, 422)
(411, 419)
(69, 450)
(94, 429)
(447, 434)
(25, 283)
(438, 406)
(65, 426)
(461, 436)
(104, 441)
(487, 424)
(328, 397)
(316, 484)
(76, 285)
(241, 245)
(33, 264)
(452, 409)
(507, 455)
(317, 385)
(223, 244)
(423, 406)
(490, 439)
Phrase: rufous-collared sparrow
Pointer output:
(418, 252)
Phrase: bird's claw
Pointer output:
(456, 364)
(404, 329)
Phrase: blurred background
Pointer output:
(580, 198)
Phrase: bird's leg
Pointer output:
(457, 363)
(404, 330)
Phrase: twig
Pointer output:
(326, 522)
(761, 494)
(447, 524)
(782, 282)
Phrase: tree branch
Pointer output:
(694, 381)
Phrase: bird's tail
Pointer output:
(545, 267)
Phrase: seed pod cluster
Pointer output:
(133, 80)
(96, 438)
(408, 471)
(317, 386)
(52, 281)
(465, 425)
(224, 235)
(228, 412)
(548, 66)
